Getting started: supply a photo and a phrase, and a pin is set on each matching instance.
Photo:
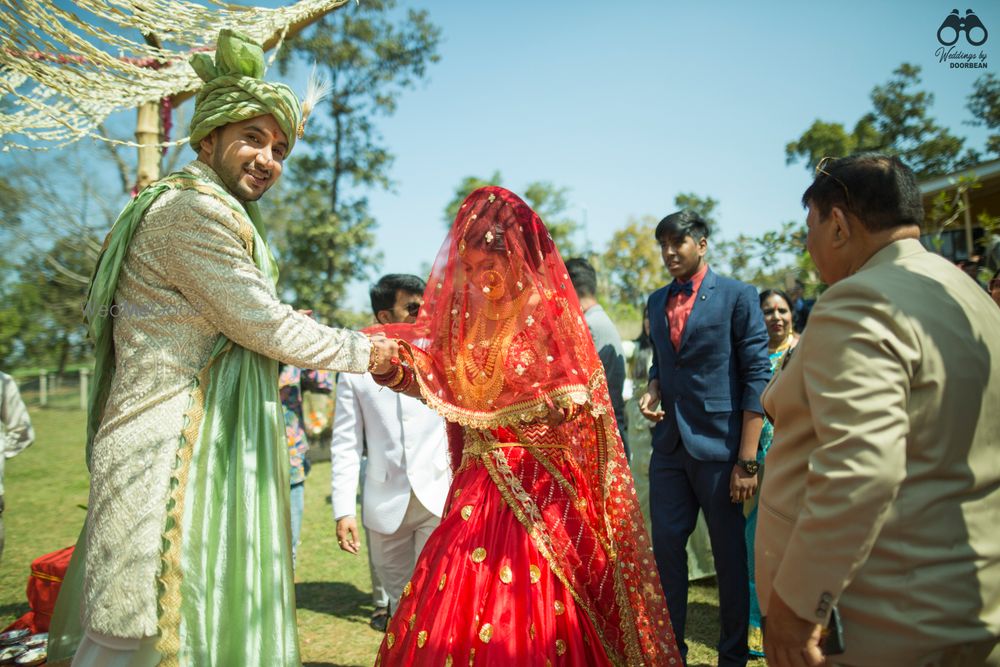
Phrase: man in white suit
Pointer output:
(407, 475)
(878, 516)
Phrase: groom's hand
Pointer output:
(383, 350)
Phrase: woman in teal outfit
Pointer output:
(777, 309)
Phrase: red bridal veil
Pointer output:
(503, 353)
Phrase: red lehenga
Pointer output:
(541, 557)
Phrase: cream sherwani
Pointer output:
(882, 492)
(186, 279)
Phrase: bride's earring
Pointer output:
(492, 283)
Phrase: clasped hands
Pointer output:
(384, 350)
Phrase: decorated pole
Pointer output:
(148, 133)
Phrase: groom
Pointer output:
(186, 545)
(709, 368)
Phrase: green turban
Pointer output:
(234, 90)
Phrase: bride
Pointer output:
(541, 557)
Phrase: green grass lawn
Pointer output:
(46, 485)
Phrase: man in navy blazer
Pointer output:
(709, 368)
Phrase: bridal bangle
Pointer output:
(374, 358)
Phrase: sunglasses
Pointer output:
(820, 170)
(413, 307)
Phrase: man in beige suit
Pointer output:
(881, 498)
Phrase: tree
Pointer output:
(899, 123)
(549, 201)
(468, 185)
(703, 206)
(52, 229)
(984, 104)
(325, 229)
(632, 262)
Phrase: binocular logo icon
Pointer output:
(954, 25)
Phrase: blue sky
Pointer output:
(628, 104)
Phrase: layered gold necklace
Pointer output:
(483, 382)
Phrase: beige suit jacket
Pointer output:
(882, 487)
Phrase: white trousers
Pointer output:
(97, 650)
(394, 555)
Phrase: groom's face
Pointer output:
(247, 156)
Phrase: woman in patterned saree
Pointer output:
(541, 557)
(777, 308)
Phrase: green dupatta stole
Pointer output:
(225, 590)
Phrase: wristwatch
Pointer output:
(750, 465)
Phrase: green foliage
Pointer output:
(703, 206)
(324, 229)
(899, 123)
(824, 139)
(546, 199)
(948, 211)
(51, 248)
(632, 263)
(550, 203)
(984, 104)
(468, 185)
(50, 296)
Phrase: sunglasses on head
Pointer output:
(821, 170)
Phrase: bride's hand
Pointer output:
(384, 350)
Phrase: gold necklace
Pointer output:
(483, 383)
(785, 344)
(507, 310)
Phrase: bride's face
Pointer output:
(487, 277)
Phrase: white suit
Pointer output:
(406, 477)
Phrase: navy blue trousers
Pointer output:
(679, 486)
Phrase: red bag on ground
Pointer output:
(46, 578)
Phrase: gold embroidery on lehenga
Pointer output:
(527, 513)
(486, 633)
(566, 396)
